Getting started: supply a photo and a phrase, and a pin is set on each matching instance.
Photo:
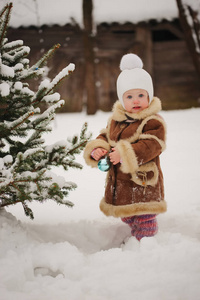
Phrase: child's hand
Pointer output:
(114, 156)
(98, 153)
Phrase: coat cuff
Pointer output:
(98, 143)
(128, 157)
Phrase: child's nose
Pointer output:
(135, 100)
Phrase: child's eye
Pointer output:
(129, 97)
(141, 95)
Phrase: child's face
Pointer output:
(135, 100)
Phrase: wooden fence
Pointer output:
(160, 45)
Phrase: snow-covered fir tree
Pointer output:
(25, 161)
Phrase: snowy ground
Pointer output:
(73, 254)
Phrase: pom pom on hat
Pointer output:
(133, 76)
(130, 61)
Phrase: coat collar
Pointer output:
(120, 114)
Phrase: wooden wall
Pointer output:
(160, 45)
(70, 51)
(176, 81)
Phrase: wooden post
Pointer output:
(143, 46)
(89, 57)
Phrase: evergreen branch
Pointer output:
(55, 82)
(3, 10)
(46, 56)
(7, 12)
(15, 57)
(33, 70)
(28, 211)
(82, 136)
(77, 147)
(17, 125)
(6, 128)
(13, 184)
(8, 47)
(4, 203)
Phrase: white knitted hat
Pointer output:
(133, 77)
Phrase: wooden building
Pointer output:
(160, 44)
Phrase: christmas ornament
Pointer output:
(104, 164)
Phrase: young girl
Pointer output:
(133, 139)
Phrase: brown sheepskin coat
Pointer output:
(134, 186)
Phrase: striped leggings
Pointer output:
(141, 226)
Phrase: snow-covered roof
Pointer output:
(50, 12)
